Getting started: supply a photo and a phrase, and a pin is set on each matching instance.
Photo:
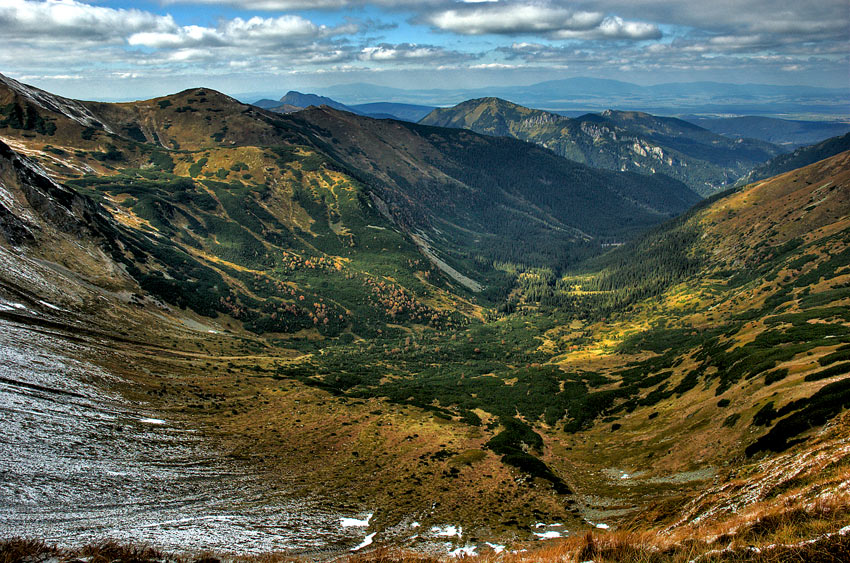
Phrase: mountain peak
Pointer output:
(72, 109)
(298, 99)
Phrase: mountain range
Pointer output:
(802, 156)
(294, 101)
(783, 132)
(434, 334)
(617, 140)
(594, 95)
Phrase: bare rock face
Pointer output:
(29, 198)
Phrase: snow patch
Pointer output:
(156, 421)
(8, 201)
(355, 522)
(6, 306)
(466, 551)
(367, 541)
(548, 535)
(49, 305)
(70, 108)
(495, 547)
(447, 531)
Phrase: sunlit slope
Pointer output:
(724, 335)
(715, 343)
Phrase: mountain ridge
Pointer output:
(801, 157)
(617, 140)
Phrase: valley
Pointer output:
(311, 329)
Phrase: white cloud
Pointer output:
(511, 19)
(492, 66)
(542, 19)
(56, 38)
(259, 32)
(290, 5)
(410, 52)
(57, 19)
(613, 27)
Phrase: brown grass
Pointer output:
(793, 530)
(18, 549)
(599, 547)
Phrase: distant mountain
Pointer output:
(362, 92)
(404, 112)
(266, 103)
(294, 101)
(799, 158)
(300, 100)
(783, 132)
(593, 94)
(617, 140)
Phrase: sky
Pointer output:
(112, 50)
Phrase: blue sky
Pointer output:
(121, 49)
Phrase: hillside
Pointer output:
(783, 132)
(799, 158)
(260, 238)
(615, 140)
(292, 301)
(424, 181)
(485, 199)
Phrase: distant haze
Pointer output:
(118, 49)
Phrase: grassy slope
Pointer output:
(750, 333)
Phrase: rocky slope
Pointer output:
(617, 140)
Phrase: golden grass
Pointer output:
(808, 533)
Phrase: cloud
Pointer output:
(95, 39)
(727, 14)
(291, 5)
(545, 20)
(258, 32)
(613, 27)
(546, 55)
(511, 19)
(411, 53)
(62, 19)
